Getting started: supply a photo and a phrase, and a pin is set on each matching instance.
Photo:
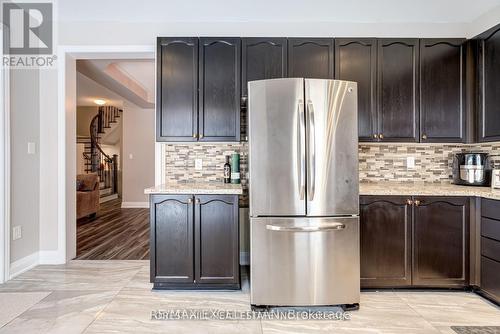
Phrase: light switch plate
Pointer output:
(198, 164)
(16, 232)
(31, 148)
(410, 163)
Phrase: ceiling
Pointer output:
(361, 11)
(131, 79)
(87, 90)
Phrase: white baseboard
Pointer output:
(129, 205)
(26, 263)
(51, 257)
(244, 258)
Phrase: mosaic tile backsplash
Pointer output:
(377, 162)
(433, 162)
(179, 163)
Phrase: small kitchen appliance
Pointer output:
(471, 169)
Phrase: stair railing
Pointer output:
(104, 165)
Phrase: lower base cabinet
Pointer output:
(194, 242)
(385, 224)
(490, 249)
(414, 241)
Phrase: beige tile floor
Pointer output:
(116, 297)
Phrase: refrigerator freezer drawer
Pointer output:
(304, 261)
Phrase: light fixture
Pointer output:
(100, 102)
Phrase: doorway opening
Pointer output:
(115, 157)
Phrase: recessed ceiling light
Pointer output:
(100, 102)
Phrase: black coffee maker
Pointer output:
(472, 169)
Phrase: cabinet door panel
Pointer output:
(262, 58)
(310, 58)
(356, 60)
(177, 89)
(217, 235)
(397, 72)
(172, 258)
(440, 241)
(220, 74)
(442, 117)
(385, 241)
(489, 60)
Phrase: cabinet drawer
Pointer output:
(490, 228)
(490, 248)
(490, 277)
(490, 208)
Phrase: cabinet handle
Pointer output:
(381, 136)
(409, 202)
(198, 201)
(424, 136)
(375, 135)
(418, 202)
(195, 135)
(190, 200)
(201, 136)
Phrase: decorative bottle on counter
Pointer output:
(227, 171)
(235, 168)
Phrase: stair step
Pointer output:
(105, 191)
(108, 198)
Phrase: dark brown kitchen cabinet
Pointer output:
(385, 223)
(172, 231)
(198, 89)
(442, 90)
(490, 249)
(441, 241)
(356, 60)
(194, 241)
(177, 89)
(216, 242)
(262, 58)
(219, 89)
(397, 76)
(310, 58)
(413, 241)
(489, 85)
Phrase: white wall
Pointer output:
(138, 140)
(25, 172)
(49, 169)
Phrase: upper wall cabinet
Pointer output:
(219, 89)
(262, 58)
(177, 89)
(489, 86)
(356, 60)
(442, 90)
(397, 70)
(310, 58)
(198, 89)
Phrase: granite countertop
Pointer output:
(426, 189)
(217, 188)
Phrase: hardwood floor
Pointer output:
(115, 234)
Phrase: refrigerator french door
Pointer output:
(304, 192)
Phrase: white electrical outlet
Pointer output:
(198, 164)
(17, 232)
(410, 162)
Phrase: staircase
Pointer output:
(96, 160)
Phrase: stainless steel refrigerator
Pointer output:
(304, 192)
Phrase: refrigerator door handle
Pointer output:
(312, 151)
(302, 150)
(317, 228)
